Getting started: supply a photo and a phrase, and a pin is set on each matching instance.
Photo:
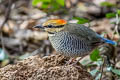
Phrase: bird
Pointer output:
(72, 39)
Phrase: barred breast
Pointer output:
(70, 45)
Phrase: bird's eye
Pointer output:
(49, 26)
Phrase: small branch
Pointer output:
(102, 69)
(7, 13)
(117, 23)
(116, 26)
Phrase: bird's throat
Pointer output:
(51, 34)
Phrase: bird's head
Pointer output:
(52, 26)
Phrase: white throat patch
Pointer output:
(51, 34)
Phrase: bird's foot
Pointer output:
(74, 62)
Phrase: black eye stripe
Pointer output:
(48, 26)
(59, 26)
(51, 26)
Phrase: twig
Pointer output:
(7, 13)
(116, 26)
(102, 69)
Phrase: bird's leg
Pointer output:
(77, 61)
(72, 60)
(79, 65)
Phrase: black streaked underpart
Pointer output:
(69, 45)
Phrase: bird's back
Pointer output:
(83, 32)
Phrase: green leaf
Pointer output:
(116, 71)
(113, 22)
(81, 20)
(35, 2)
(86, 62)
(5, 62)
(109, 68)
(94, 56)
(99, 62)
(50, 4)
(98, 76)
(48, 1)
(24, 56)
(107, 4)
(55, 6)
(60, 2)
(118, 12)
(45, 5)
(3, 55)
(110, 15)
(93, 72)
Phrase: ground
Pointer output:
(47, 68)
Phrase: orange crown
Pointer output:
(55, 22)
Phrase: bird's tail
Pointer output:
(108, 41)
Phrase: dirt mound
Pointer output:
(46, 68)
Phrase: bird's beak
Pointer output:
(39, 26)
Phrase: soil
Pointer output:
(47, 68)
